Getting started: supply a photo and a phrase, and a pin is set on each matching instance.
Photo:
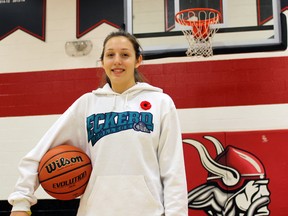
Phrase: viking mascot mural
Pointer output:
(236, 183)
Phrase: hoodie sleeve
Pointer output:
(67, 129)
(171, 160)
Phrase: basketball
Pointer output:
(64, 172)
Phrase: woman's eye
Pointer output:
(125, 55)
(109, 54)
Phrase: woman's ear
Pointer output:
(139, 61)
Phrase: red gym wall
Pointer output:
(191, 85)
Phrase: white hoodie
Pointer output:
(137, 155)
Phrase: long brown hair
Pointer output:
(139, 77)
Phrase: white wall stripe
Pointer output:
(236, 118)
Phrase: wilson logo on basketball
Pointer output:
(62, 162)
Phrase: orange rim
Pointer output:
(198, 22)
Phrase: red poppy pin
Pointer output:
(145, 105)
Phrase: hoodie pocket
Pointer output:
(122, 196)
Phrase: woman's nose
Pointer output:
(117, 59)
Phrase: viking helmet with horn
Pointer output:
(232, 166)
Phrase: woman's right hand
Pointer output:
(19, 213)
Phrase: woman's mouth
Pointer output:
(118, 70)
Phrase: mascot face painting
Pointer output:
(236, 183)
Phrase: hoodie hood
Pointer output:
(139, 87)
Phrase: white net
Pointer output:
(199, 33)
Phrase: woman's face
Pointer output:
(119, 62)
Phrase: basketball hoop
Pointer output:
(199, 34)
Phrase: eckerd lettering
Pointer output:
(100, 125)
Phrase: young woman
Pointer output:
(131, 132)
